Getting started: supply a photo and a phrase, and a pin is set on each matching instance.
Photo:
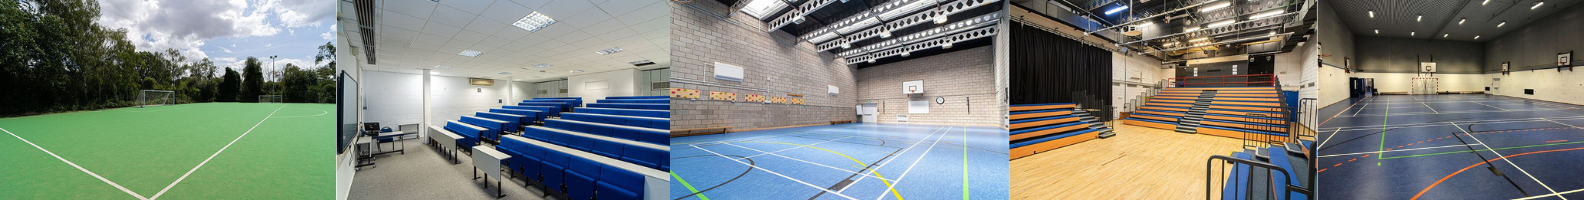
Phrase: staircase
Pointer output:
(1189, 123)
(1042, 127)
(1094, 123)
(1219, 111)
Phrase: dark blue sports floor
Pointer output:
(1436, 147)
(848, 161)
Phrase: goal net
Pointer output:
(1424, 86)
(155, 98)
(271, 99)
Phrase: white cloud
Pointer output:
(156, 25)
(227, 50)
(329, 35)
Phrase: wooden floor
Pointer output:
(1138, 163)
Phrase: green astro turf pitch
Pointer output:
(288, 155)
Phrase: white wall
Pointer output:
(1333, 85)
(1549, 85)
(615, 83)
(1401, 82)
(1122, 67)
(397, 98)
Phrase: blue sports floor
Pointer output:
(848, 161)
(1451, 147)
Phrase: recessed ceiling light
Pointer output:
(1503, 23)
(503, 73)
(442, 67)
(1460, 21)
(1476, 37)
(1412, 33)
(542, 65)
(533, 22)
(1485, 2)
(1377, 31)
(1215, 7)
(1537, 5)
(1445, 35)
(1418, 18)
(1372, 14)
(577, 71)
(470, 53)
(609, 51)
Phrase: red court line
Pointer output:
(1438, 182)
(1350, 106)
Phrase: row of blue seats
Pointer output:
(646, 122)
(637, 97)
(633, 101)
(628, 112)
(470, 133)
(546, 110)
(494, 128)
(608, 146)
(575, 100)
(569, 102)
(514, 119)
(649, 106)
(577, 177)
(531, 115)
(559, 106)
(641, 134)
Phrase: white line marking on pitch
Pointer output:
(1431, 109)
(1504, 158)
(101, 178)
(899, 154)
(1346, 154)
(791, 148)
(773, 172)
(217, 153)
(794, 159)
(1489, 105)
(1328, 138)
(1552, 121)
(915, 164)
(1559, 194)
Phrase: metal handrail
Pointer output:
(1286, 193)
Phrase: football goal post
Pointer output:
(271, 99)
(155, 98)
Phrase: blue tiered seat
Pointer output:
(633, 101)
(569, 102)
(576, 174)
(494, 127)
(650, 106)
(514, 121)
(470, 133)
(646, 122)
(628, 112)
(575, 100)
(640, 97)
(534, 115)
(649, 135)
(559, 106)
(547, 110)
(1041, 127)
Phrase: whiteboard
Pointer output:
(918, 107)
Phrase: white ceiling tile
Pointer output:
(505, 12)
(647, 13)
(604, 27)
(420, 9)
(452, 16)
(440, 29)
(617, 8)
(531, 4)
(562, 9)
(393, 32)
(511, 33)
(471, 6)
(469, 37)
(486, 26)
(586, 18)
(616, 35)
(392, 19)
(553, 31)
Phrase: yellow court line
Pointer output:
(861, 163)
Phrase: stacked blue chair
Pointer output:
(650, 106)
(627, 112)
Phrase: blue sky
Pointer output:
(226, 31)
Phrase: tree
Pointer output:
(252, 80)
(229, 86)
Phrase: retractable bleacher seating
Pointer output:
(1286, 174)
(1041, 127)
(606, 150)
(1221, 111)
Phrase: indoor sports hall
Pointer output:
(161, 150)
(838, 100)
(1451, 100)
(1162, 99)
(559, 99)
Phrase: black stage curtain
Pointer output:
(1048, 68)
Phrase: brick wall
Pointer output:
(774, 63)
(965, 78)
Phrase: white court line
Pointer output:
(904, 151)
(321, 113)
(795, 159)
(1560, 123)
(796, 147)
(101, 178)
(1461, 112)
(217, 153)
(1504, 158)
(1328, 138)
(1431, 109)
(1559, 194)
(1347, 154)
(1434, 124)
(773, 172)
(1366, 105)
(915, 164)
(751, 138)
(1490, 106)
(160, 110)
